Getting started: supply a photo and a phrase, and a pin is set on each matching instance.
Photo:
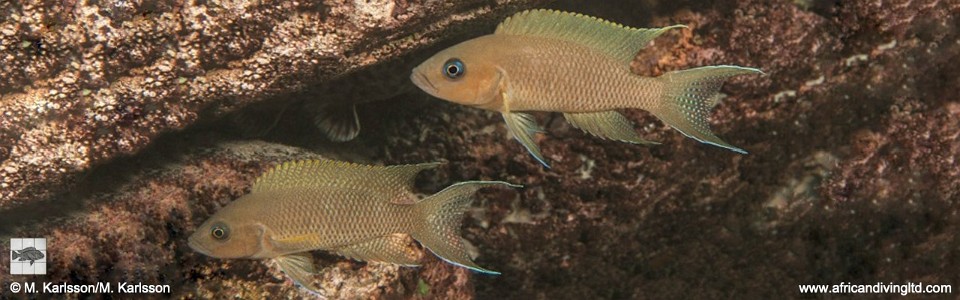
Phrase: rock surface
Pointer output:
(851, 177)
(83, 82)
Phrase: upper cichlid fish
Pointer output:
(543, 60)
(362, 212)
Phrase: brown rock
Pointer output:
(85, 82)
(851, 177)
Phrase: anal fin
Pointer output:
(338, 122)
(393, 248)
(607, 124)
(522, 126)
(299, 267)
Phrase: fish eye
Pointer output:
(220, 231)
(453, 68)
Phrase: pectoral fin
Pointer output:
(607, 124)
(394, 248)
(522, 126)
(339, 122)
(299, 267)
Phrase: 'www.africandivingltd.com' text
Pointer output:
(876, 288)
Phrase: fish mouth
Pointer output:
(423, 83)
(197, 247)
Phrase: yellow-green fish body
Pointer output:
(535, 85)
(543, 60)
(362, 212)
(298, 220)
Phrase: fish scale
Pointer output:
(533, 74)
(337, 216)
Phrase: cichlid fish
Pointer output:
(361, 212)
(28, 253)
(543, 60)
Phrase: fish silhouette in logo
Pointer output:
(29, 253)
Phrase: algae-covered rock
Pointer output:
(82, 82)
(851, 177)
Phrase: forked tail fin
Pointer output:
(441, 214)
(16, 254)
(688, 97)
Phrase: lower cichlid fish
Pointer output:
(543, 60)
(362, 212)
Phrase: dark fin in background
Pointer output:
(607, 124)
(442, 214)
(688, 97)
(258, 119)
(393, 248)
(522, 127)
(338, 122)
(299, 267)
(620, 42)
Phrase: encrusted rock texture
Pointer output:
(85, 81)
(851, 177)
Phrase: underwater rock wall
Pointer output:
(851, 177)
(82, 82)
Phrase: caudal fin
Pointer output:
(688, 97)
(16, 254)
(441, 214)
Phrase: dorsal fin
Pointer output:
(393, 182)
(618, 41)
